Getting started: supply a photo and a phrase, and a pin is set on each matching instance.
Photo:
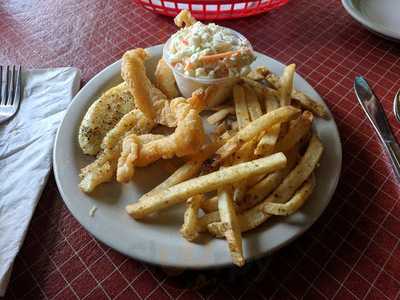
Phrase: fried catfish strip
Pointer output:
(184, 19)
(165, 80)
(187, 139)
(189, 229)
(134, 121)
(133, 71)
(99, 171)
(130, 152)
(166, 110)
(104, 167)
(217, 94)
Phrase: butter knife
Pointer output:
(376, 115)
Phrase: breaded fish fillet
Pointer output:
(102, 116)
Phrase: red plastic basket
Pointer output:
(212, 9)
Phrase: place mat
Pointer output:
(352, 251)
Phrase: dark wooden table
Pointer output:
(352, 251)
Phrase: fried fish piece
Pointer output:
(130, 152)
(187, 139)
(103, 115)
(104, 167)
(133, 122)
(164, 115)
(166, 110)
(184, 18)
(100, 171)
(165, 80)
(133, 71)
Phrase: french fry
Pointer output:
(218, 228)
(242, 114)
(186, 171)
(190, 228)
(239, 191)
(259, 73)
(268, 140)
(309, 104)
(232, 233)
(220, 129)
(298, 199)
(253, 105)
(210, 218)
(220, 115)
(235, 126)
(263, 188)
(206, 183)
(273, 81)
(297, 130)
(255, 216)
(287, 84)
(217, 108)
(255, 128)
(260, 88)
(210, 204)
(271, 102)
(222, 137)
(254, 194)
(245, 153)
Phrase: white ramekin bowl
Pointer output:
(188, 84)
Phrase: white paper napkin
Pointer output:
(26, 145)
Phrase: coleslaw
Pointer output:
(210, 51)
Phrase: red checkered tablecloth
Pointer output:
(352, 251)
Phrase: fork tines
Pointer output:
(10, 87)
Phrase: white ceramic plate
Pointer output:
(380, 16)
(158, 240)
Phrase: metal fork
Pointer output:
(10, 91)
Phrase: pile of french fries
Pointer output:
(260, 163)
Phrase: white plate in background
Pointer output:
(380, 16)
